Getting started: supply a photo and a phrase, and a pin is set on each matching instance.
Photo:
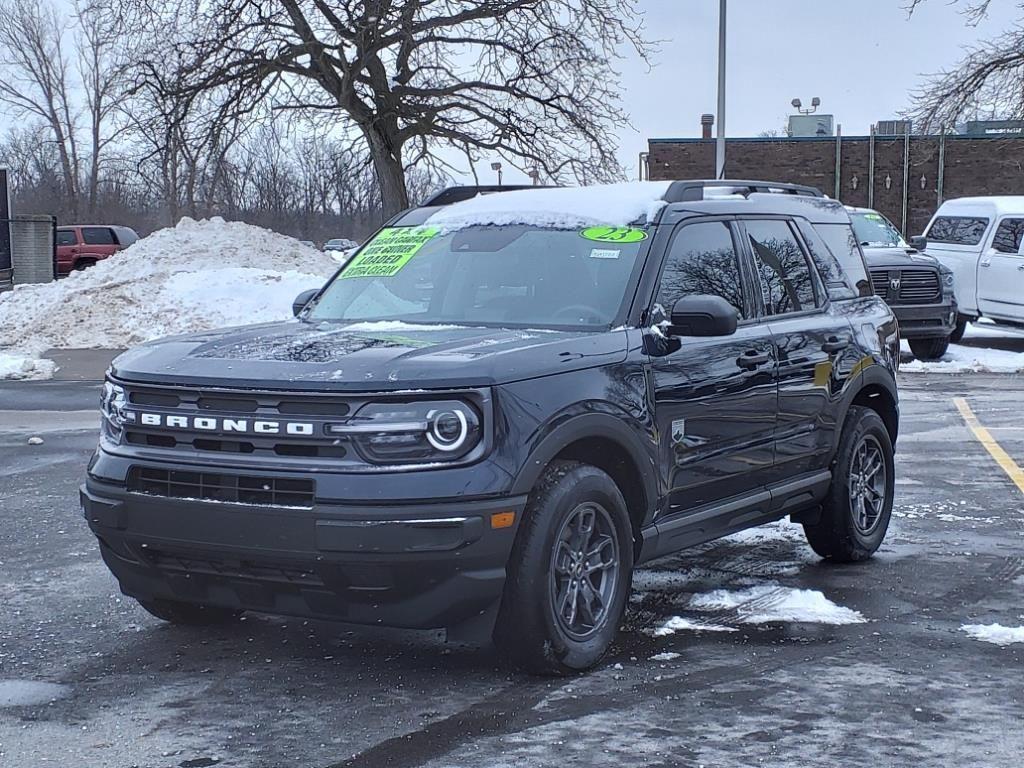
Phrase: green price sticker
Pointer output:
(613, 234)
(389, 251)
(872, 216)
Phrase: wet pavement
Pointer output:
(89, 679)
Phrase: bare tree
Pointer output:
(35, 78)
(989, 79)
(529, 80)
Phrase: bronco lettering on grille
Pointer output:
(211, 424)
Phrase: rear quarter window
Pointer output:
(958, 230)
(844, 271)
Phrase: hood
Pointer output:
(897, 257)
(385, 356)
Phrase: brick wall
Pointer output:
(973, 166)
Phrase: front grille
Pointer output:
(218, 486)
(915, 286)
(284, 407)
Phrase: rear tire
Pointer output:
(189, 614)
(83, 264)
(929, 349)
(569, 573)
(959, 329)
(855, 514)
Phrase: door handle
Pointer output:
(1020, 267)
(835, 344)
(752, 358)
(985, 264)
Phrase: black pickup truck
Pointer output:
(917, 287)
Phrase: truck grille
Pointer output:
(915, 286)
(155, 436)
(215, 486)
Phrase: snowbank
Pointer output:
(616, 205)
(975, 358)
(193, 277)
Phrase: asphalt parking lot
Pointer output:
(89, 679)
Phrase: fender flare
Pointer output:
(873, 375)
(581, 427)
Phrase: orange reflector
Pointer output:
(503, 520)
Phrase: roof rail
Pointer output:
(686, 191)
(450, 195)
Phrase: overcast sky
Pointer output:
(862, 57)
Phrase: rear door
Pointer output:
(1001, 272)
(715, 398)
(811, 342)
(100, 242)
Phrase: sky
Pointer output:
(863, 58)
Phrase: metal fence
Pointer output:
(30, 255)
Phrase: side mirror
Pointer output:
(919, 242)
(703, 315)
(303, 299)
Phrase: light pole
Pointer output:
(720, 139)
(497, 167)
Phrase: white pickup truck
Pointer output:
(980, 239)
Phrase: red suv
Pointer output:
(82, 245)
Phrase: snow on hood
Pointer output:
(195, 276)
(564, 207)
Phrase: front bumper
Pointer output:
(919, 321)
(422, 566)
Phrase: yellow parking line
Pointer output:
(985, 438)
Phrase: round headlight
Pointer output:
(447, 430)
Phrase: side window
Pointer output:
(66, 237)
(958, 230)
(702, 260)
(842, 242)
(98, 236)
(782, 267)
(1008, 236)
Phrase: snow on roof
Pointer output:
(616, 205)
(193, 277)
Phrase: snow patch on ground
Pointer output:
(767, 603)
(615, 205)
(972, 359)
(196, 276)
(995, 633)
(29, 693)
(667, 656)
(21, 367)
(678, 623)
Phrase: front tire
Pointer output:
(855, 514)
(929, 349)
(569, 573)
(959, 329)
(188, 614)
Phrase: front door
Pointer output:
(813, 343)
(1001, 272)
(715, 398)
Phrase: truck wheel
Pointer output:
(855, 514)
(569, 573)
(929, 349)
(958, 331)
(83, 264)
(188, 613)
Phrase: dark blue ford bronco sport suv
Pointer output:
(499, 406)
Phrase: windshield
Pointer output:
(512, 276)
(873, 229)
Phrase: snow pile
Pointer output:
(995, 633)
(193, 277)
(975, 358)
(616, 205)
(677, 623)
(21, 367)
(768, 603)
